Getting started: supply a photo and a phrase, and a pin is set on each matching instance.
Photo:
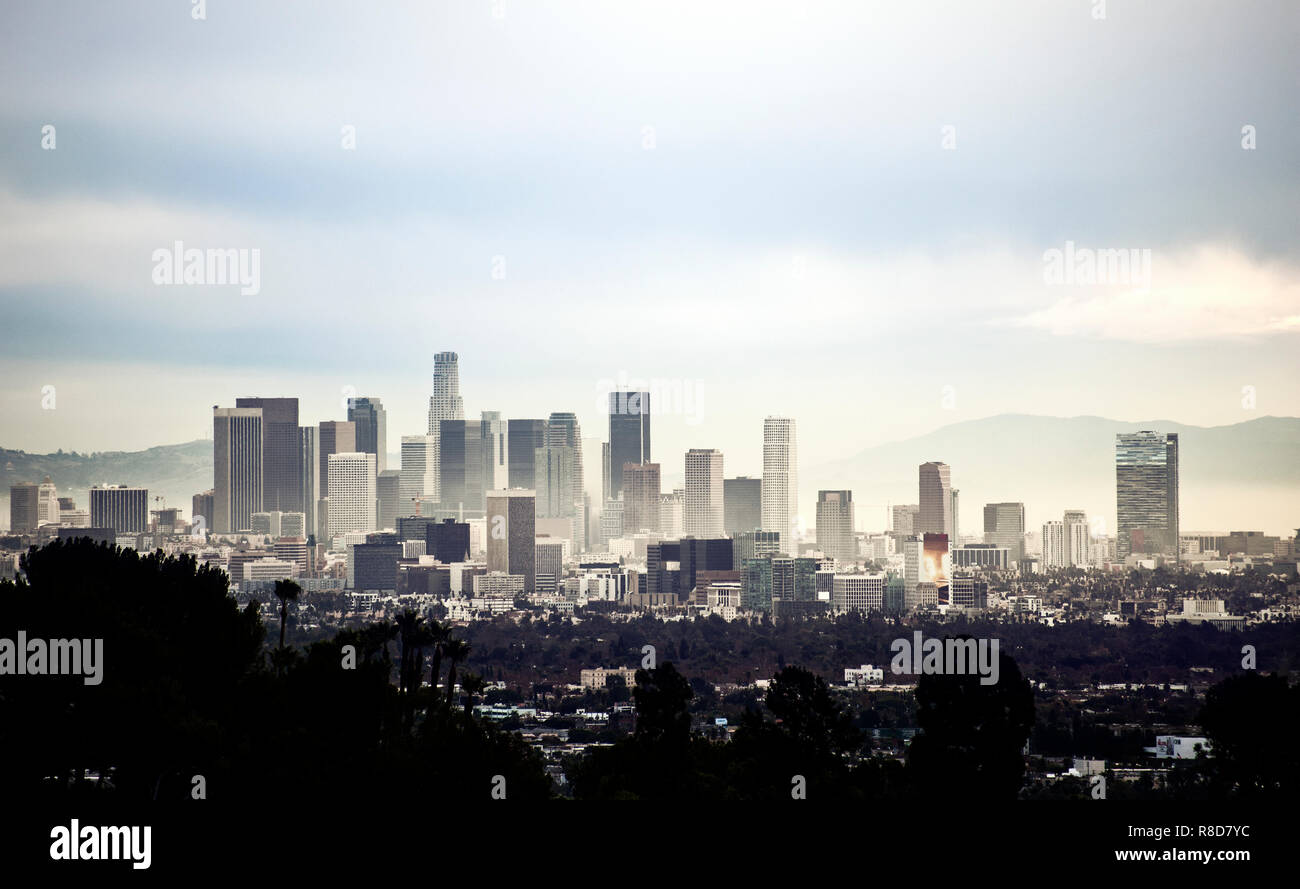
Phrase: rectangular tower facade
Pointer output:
(703, 506)
(1146, 493)
(236, 467)
(281, 471)
(780, 504)
(629, 435)
(512, 535)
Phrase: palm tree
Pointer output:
(286, 591)
(471, 684)
(440, 634)
(409, 624)
(456, 651)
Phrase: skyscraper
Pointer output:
(452, 464)
(936, 500)
(1078, 539)
(24, 512)
(1146, 493)
(512, 535)
(780, 505)
(419, 472)
(335, 437)
(904, 519)
(742, 504)
(496, 462)
(523, 438)
(445, 403)
(371, 422)
(641, 488)
(353, 493)
(120, 507)
(704, 498)
(554, 476)
(629, 435)
(236, 467)
(1004, 525)
(281, 481)
(388, 486)
(310, 464)
(1054, 545)
(563, 429)
(835, 536)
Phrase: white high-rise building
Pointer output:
(419, 480)
(1054, 545)
(835, 535)
(702, 509)
(1078, 539)
(354, 502)
(780, 495)
(445, 402)
(47, 503)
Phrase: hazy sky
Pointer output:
(750, 199)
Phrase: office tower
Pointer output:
(447, 541)
(756, 584)
(236, 467)
(419, 472)
(511, 534)
(936, 500)
(629, 435)
(607, 474)
(122, 508)
(523, 438)
(858, 592)
(24, 508)
(835, 535)
(496, 458)
(1004, 525)
(281, 484)
(309, 464)
(554, 476)
(914, 572)
(370, 419)
(755, 544)
(201, 506)
(452, 491)
(1078, 539)
(794, 587)
(671, 513)
(1146, 489)
(904, 519)
(703, 506)
(352, 493)
(388, 488)
(780, 505)
(742, 504)
(937, 563)
(373, 563)
(611, 522)
(475, 456)
(1053, 545)
(549, 562)
(445, 403)
(47, 503)
(696, 554)
(640, 497)
(952, 536)
(293, 524)
(563, 430)
(335, 437)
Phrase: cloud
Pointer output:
(1205, 294)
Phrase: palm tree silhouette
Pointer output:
(471, 684)
(286, 591)
(456, 651)
(440, 634)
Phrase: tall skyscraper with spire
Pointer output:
(780, 491)
(445, 403)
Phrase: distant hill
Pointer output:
(176, 472)
(1242, 476)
